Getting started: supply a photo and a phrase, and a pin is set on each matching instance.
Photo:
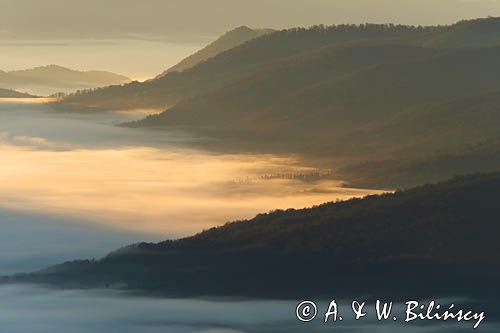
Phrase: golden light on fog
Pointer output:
(37, 100)
(177, 192)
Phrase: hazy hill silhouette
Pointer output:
(391, 171)
(227, 41)
(8, 93)
(470, 33)
(434, 240)
(368, 97)
(57, 77)
(365, 105)
(234, 64)
(270, 93)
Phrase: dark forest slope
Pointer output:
(433, 240)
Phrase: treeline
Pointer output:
(363, 28)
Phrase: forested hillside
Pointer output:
(339, 91)
(235, 64)
(231, 65)
(366, 98)
(439, 239)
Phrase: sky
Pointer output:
(152, 35)
(194, 19)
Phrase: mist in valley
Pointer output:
(75, 186)
(97, 311)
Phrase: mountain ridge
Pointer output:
(229, 66)
(225, 42)
(352, 96)
(234, 64)
(311, 91)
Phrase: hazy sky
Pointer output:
(176, 19)
(152, 35)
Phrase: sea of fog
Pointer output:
(76, 186)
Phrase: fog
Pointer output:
(31, 241)
(76, 186)
(36, 310)
(85, 167)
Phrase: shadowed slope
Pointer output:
(336, 93)
(233, 65)
(434, 240)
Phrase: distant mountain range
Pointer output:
(8, 93)
(368, 98)
(271, 49)
(226, 42)
(53, 78)
(431, 241)
(222, 70)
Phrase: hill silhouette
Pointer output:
(366, 107)
(359, 84)
(363, 97)
(227, 41)
(435, 240)
(53, 77)
(469, 33)
(234, 64)
(231, 66)
(8, 93)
